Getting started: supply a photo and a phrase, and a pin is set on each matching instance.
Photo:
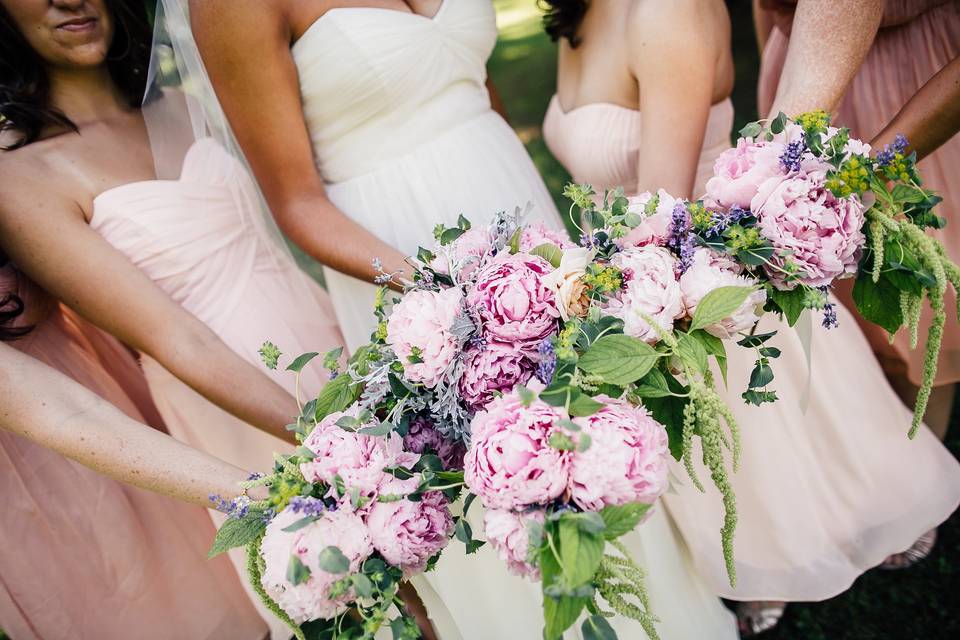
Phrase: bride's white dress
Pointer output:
(404, 138)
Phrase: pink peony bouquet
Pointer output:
(353, 512)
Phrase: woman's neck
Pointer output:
(86, 96)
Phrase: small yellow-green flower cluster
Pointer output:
(853, 177)
(579, 194)
(701, 218)
(282, 491)
(898, 168)
(741, 238)
(605, 280)
(814, 121)
(566, 339)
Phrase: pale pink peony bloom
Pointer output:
(311, 600)
(508, 532)
(408, 533)
(418, 331)
(626, 461)
(710, 270)
(509, 463)
(651, 289)
(358, 459)
(536, 234)
(798, 214)
(464, 254)
(739, 172)
(567, 281)
(654, 228)
(513, 303)
(423, 437)
(495, 367)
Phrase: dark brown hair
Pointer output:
(24, 85)
(562, 18)
(11, 307)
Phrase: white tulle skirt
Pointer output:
(476, 170)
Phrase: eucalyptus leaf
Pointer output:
(297, 572)
(761, 376)
(380, 429)
(333, 561)
(301, 523)
(597, 628)
(362, 585)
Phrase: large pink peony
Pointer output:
(509, 534)
(536, 234)
(510, 464)
(654, 228)
(651, 289)
(710, 270)
(358, 459)
(311, 600)
(512, 301)
(626, 461)
(822, 233)
(491, 368)
(419, 333)
(408, 533)
(423, 437)
(739, 172)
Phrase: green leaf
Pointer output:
(526, 395)
(332, 560)
(691, 351)
(380, 429)
(755, 256)
(761, 376)
(589, 521)
(549, 252)
(449, 235)
(237, 533)
(878, 302)
(297, 572)
(561, 613)
(619, 359)
(362, 585)
(301, 361)
(779, 123)
(790, 302)
(652, 385)
(582, 405)
(463, 222)
(622, 519)
(719, 304)
(597, 628)
(905, 194)
(715, 348)
(580, 553)
(515, 241)
(756, 339)
(337, 395)
(752, 130)
(301, 523)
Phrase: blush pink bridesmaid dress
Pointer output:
(84, 556)
(191, 238)
(917, 38)
(824, 492)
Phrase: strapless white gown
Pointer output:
(405, 138)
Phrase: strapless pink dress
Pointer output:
(190, 238)
(824, 493)
(917, 38)
(84, 556)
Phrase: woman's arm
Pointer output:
(931, 116)
(46, 236)
(828, 42)
(53, 411)
(676, 79)
(246, 49)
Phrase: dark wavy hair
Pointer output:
(25, 88)
(562, 18)
(11, 307)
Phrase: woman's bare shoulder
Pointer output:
(40, 172)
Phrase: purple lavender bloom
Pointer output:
(830, 316)
(547, 366)
(687, 249)
(477, 342)
(900, 143)
(792, 155)
(307, 505)
(885, 157)
(256, 475)
(681, 238)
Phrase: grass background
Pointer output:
(920, 602)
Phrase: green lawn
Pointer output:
(921, 602)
